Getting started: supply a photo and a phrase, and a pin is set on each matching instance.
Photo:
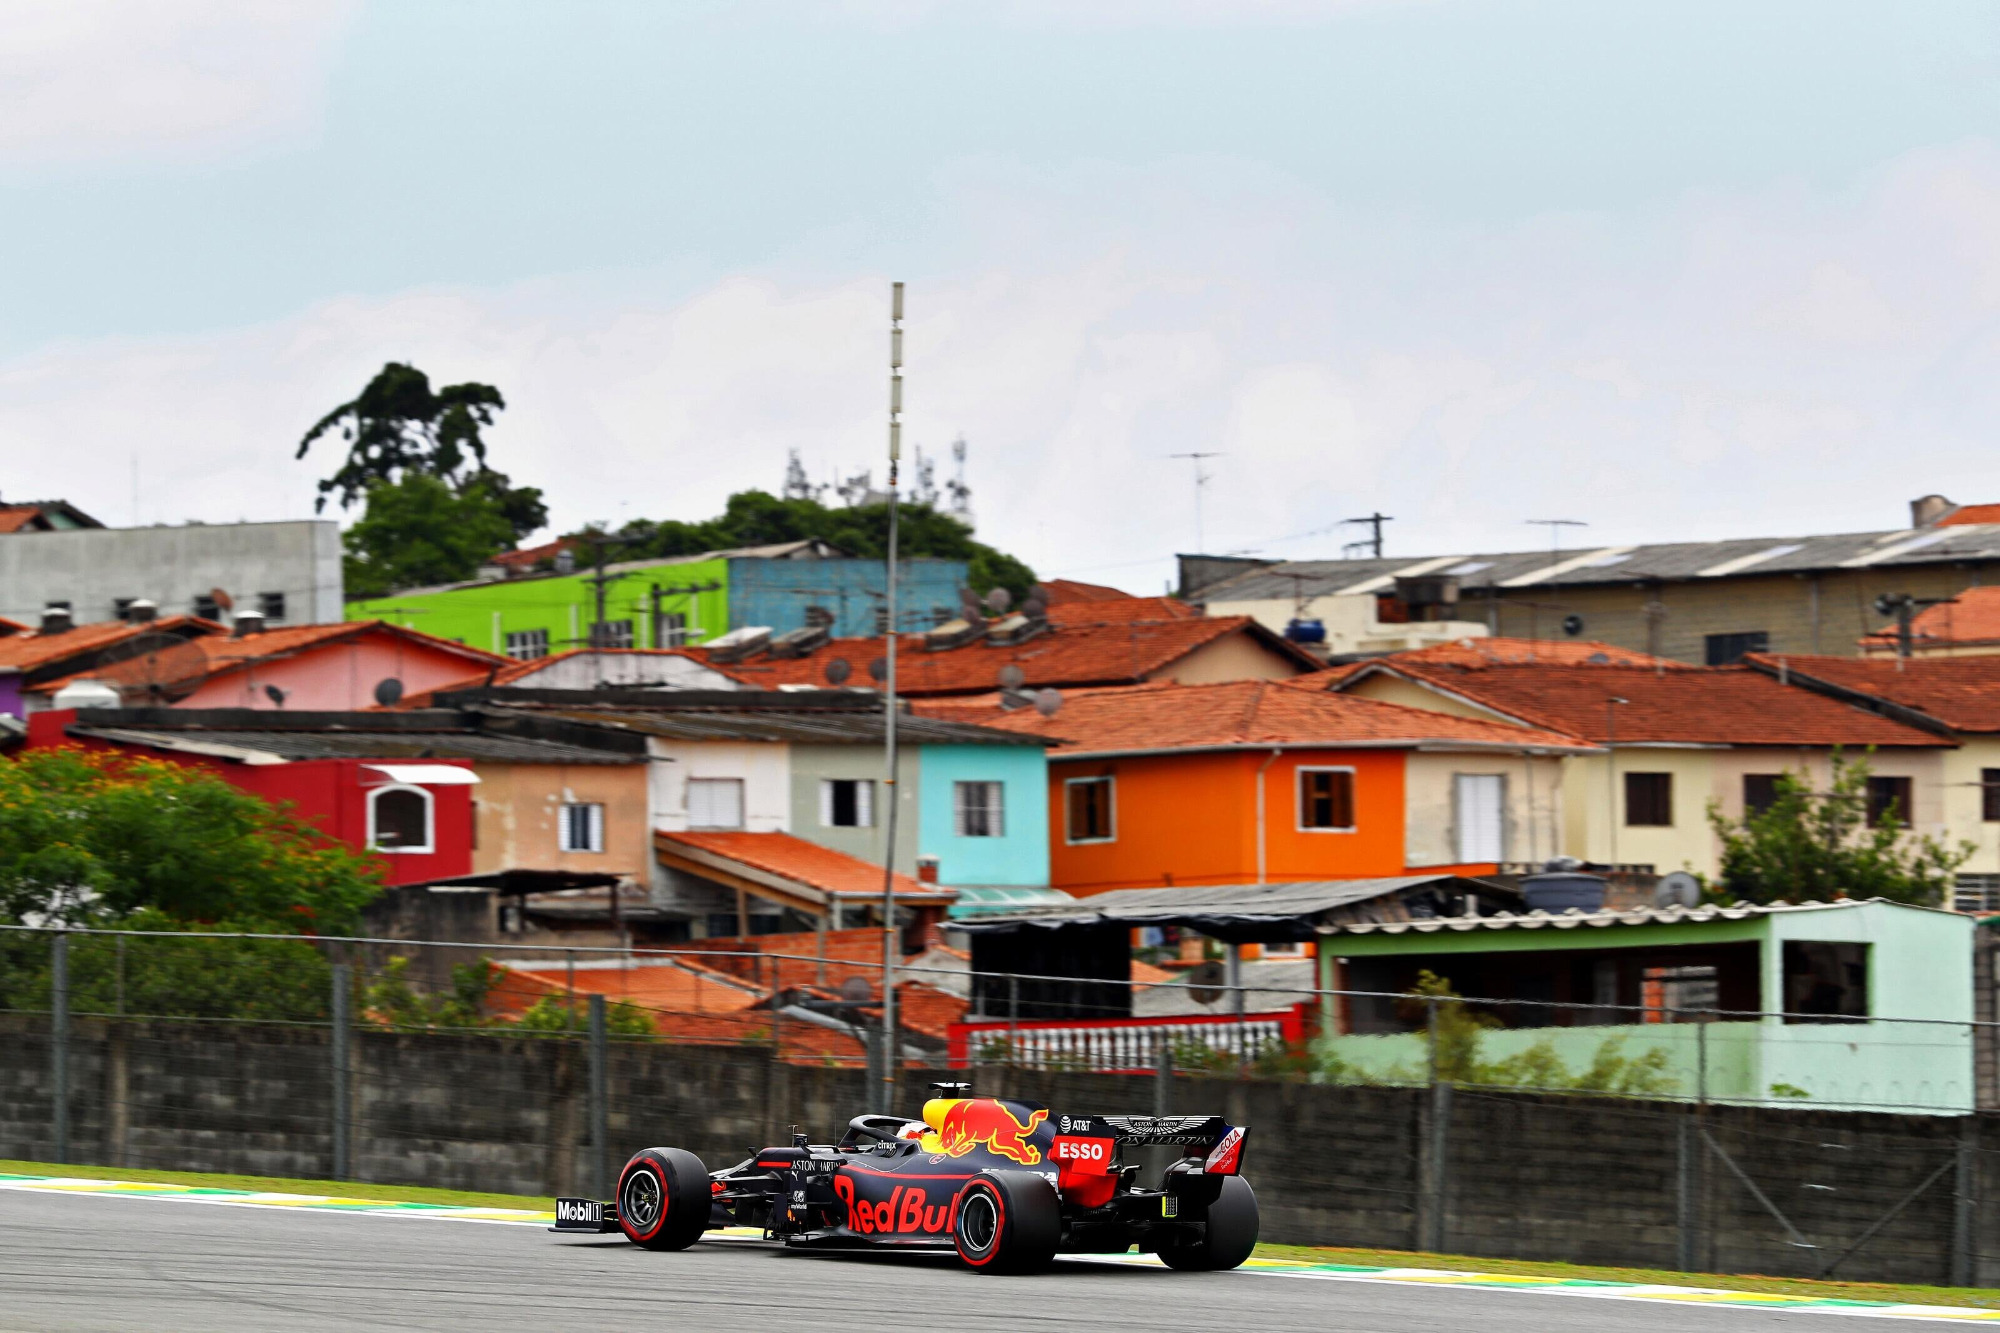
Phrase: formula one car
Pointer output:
(1005, 1184)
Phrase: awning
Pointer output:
(426, 775)
(987, 899)
(1263, 913)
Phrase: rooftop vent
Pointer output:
(1015, 629)
(88, 694)
(56, 618)
(1928, 510)
(142, 611)
(799, 642)
(740, 644)
(248, 622)
(954, 634)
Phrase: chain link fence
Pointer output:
(1654, 1135)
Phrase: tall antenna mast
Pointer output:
(1555, 527)
(1201, 479)
(890, 945)
(1374, 522)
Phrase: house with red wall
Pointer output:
(415, 814)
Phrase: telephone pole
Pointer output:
(1374, 522)
(891, 947)
(1201, 480)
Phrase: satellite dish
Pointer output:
(1886, 604)
(1679, 889)
(154, 668)
(1036, 607)
(855, 990)
(974, 609)
(1047, 702)
(1572, 625)
(1599, 659)
(1011, 702)
(838, 670)
(1011, 677)
(1205, 983)
(388, 690)
(878, 669)
(275, 695)
(998, 600)
(222, 599)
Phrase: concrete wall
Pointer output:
(1534, 811)
(637, 669)
(1586, 1180)
(517, 810)
(91, 568)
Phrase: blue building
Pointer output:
(853, 593)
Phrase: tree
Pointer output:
(417, 460)
(1816, 846)
(757, 518)
(93, 839)
(418, 531)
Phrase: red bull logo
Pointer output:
(981, 1122)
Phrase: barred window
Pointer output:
(582, 827)
(525, 645)
(979, 809)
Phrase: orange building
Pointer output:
(1251, 782)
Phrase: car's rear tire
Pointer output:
(663, 1199)
(1006, 1222)
(1228, 1239)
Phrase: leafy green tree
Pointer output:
(92, 838)
(549, 1016)
(416, 459)
(1816, 846)
(419, 531)
(756, 518)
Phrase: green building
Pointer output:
(674, 602)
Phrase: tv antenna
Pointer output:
(1201, 480)
(1555, 527)
(1374, 541)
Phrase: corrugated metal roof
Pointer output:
(1668, 561)
(802, 728)
(1241, 912)
(1573, 920)
(371, 745)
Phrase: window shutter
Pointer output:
(864, 804)
(596, 813)
(826, 802)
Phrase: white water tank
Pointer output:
(88, 694)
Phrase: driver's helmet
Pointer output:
(912, 1129)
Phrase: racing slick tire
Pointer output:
(1006, 1222)
(1229, 1237)
(663, 1199)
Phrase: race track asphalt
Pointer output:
(72, 1263)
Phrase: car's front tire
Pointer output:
(1228, 1239)
(1006, 1222)
(663, 1199)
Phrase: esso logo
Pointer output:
(1082, 1150)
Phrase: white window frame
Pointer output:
(593, 826)
(1287, 948)
(864, 802)
(430, 820)
(742, 812)
(1458, 830)
(997, 812)
(522, 645)
(1299, 796)
(1111, 808)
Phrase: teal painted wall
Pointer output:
(481, 615)
(1021, 855)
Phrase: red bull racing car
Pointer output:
(1005, 1184)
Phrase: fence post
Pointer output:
(600, 1112)
(1438, 1142)
(1684, 1194)
(1701, 1061)
(1965, 1205)
(569, 990)
(1163, 1080)
(59, 1042)
(1013, 1019)
(342, 993)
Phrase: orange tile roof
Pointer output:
(222, 653)
(1973, 617)
(1697, 705)
(1962, 693)
(31, 649)
(1121, 612)
(12, 626)
(1058, 592)
(529, 557)
(1965, 515)
(1069, 655)
(1246, 713)
(796, 859)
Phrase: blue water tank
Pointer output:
(1306, 631)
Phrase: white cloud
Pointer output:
(1758, 365)
(82, 80)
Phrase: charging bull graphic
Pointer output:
(978, 1122)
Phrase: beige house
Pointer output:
(1673, 742)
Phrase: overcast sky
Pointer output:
(1677, 269)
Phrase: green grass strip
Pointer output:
(344, 1189)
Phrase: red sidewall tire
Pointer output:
(1026, 1222)
(980, 1193)
(680, 1189)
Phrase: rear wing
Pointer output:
(1209, 1137)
